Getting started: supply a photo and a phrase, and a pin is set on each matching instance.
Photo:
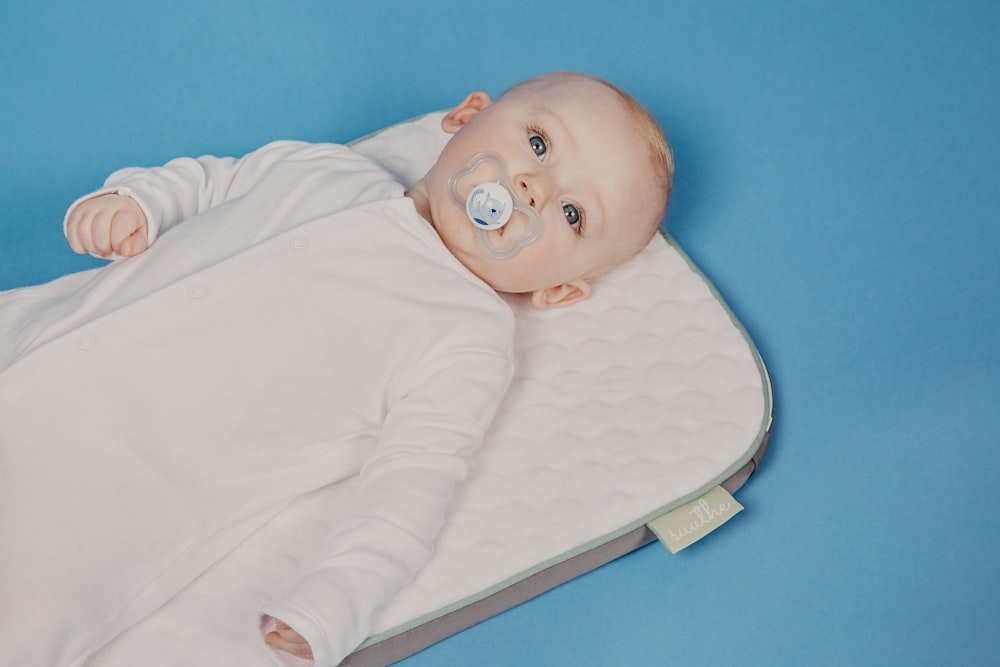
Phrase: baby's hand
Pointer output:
(107, 224)
(285, 639)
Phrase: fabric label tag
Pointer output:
(685, 525)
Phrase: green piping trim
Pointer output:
(378, 132)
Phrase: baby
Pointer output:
(313, 321)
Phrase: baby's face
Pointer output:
(572, 151)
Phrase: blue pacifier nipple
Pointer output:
(482, 190)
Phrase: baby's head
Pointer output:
(587, 157)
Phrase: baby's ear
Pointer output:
(560, 295)
(461, 114)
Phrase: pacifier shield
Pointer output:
(489, 205)
(483, 192)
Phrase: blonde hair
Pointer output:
(660, 154)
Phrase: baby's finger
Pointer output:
(132, 245)
(84, 236)
(73, 233)
(288, 634)
(128, 234)
(100, 233)
(78, 227)
(297, 647)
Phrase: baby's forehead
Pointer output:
(554, 88)
(593, 112)
(608, 134)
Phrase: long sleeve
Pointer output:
(435, 423)
(186, 187)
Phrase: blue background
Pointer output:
(838, 180)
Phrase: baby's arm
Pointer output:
(105, 225)
(152, 200)
(425, 450)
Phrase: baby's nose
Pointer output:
(531, 189)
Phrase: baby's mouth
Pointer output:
(499, 237)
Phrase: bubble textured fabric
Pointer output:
(629, 403)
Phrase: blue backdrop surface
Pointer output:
(838, 180)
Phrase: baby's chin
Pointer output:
(493, 273)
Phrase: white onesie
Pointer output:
(306, 325)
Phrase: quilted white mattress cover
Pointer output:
(623, 406)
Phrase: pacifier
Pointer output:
(482, 190)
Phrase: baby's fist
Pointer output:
(285, 639)
(107, 224)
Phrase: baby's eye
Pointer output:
(538, 145)
(572, 214)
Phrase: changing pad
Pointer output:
(630, 403)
